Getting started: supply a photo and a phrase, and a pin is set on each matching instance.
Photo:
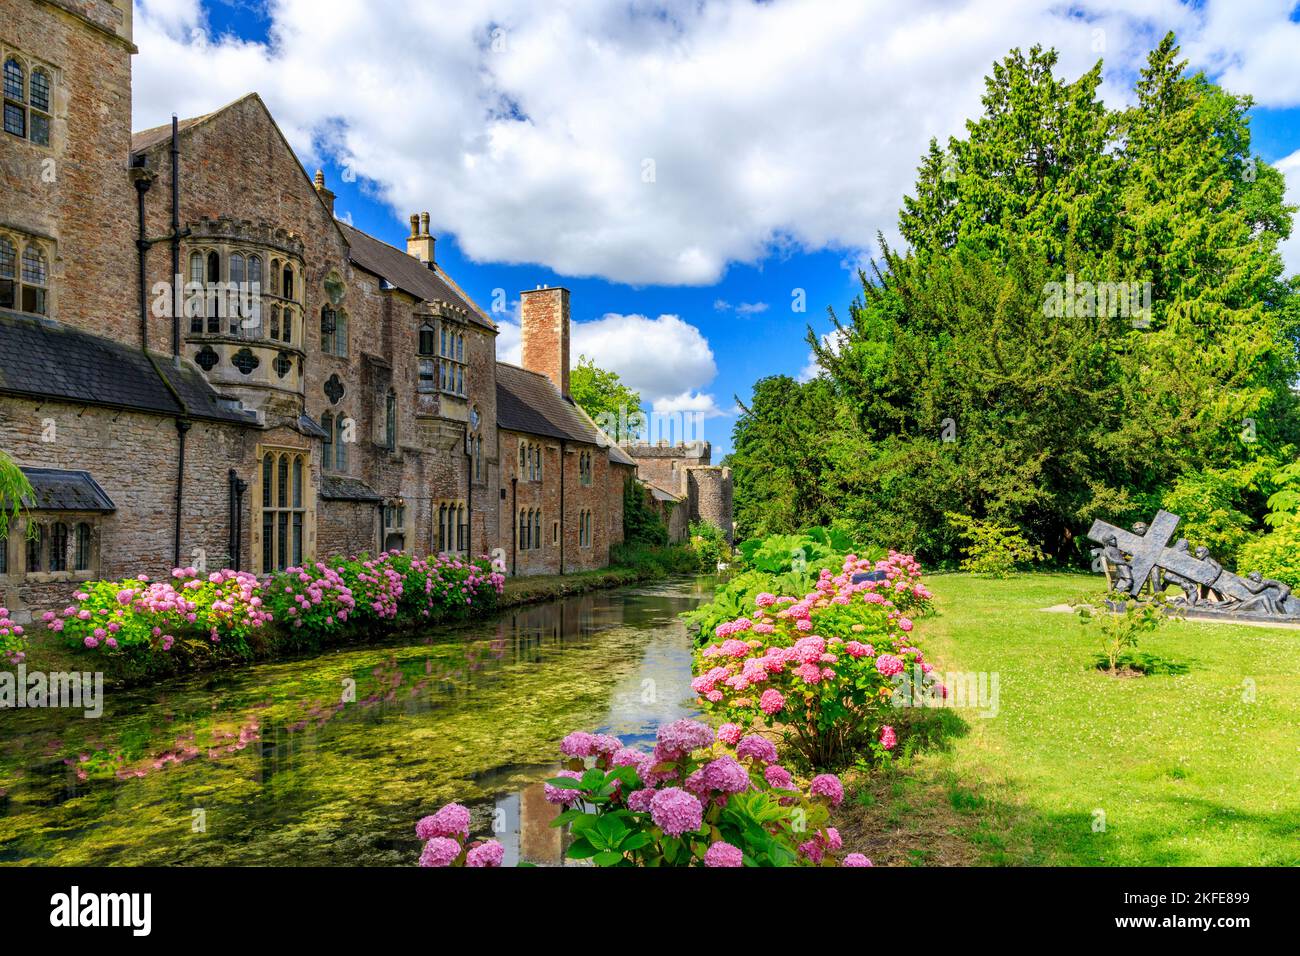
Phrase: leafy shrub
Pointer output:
(824, 666)
(992, 548)
(657, 560)
(1120, 622)
(227, 613)
(808, 551)
(1275, 554)
(12, 643)
(1209, 502)
(641, 524)
(709, 542)
(693, 801)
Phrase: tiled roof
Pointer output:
(59, 490)
(408, 273)
(343, 488)
(42, 358)
(529, 402)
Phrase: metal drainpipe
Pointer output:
(563, 451)
(469, 495)
(182, 429)
(237, 488)
(176, 234)
(514, 526)
(142, 184)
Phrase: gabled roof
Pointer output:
(529, 402)
(408, 273)
(44, 359)
(59, 490)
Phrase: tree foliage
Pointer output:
(1090, 315)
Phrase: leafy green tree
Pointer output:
(1090, 314)
(602, 393)
(14, 488)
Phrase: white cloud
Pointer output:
(796, 122)
(666, 359)
(525, 127)
(831, 340)
(1290, 168)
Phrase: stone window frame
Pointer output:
(584, 528)
(296, 539)
(334, 448)
(22, 102)
(390, 421)
(451, 518)
(530, 461)
(426, 351)
(528, 529)
(393, 521)
(480, 468)
(15, 274)
(334, 341)
(267, 310)
(453, 369)
(585, 470)
(18, 543)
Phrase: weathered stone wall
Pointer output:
(710, 496)
(76, 194)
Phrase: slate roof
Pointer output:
(59, 490)
(41, 358)
(408, 273)
(529, 402)
(343, 488)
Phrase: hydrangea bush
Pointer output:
(236, 613)
(700, 798)
(12, 643)
(823, 667)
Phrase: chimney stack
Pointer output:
(544, 322)
(326, 196)
(419, 244)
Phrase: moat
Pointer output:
(329, 760)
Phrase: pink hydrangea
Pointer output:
(730, 734)
(452, 820)
(778, 778)
(888, 739)
(487, 854)
(578, 744)
(856, 859)
(723, 854)
(682, 736)
(827, 785)
(675, 811)
(554, 794)
(724, 775)
(440, 851)
(889, 665)
(639, 800)
(771, 702)
(757, 748)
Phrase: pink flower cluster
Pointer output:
(445, 834)
(11, 638)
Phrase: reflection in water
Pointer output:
(330, 760)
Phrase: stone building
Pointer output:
(300, 389)
(684, 487)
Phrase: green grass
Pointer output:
(1183, 768)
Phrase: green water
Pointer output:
(329, 761)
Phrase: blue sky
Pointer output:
(526, 135)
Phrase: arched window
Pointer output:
(15, 98)
(40, 111)
(524, 525)
(451, 351)
(329, 323)
(478, 459)
(36, 549)
(276, 267)
(81, 557)
(287, 281)
(341, 428)
(212, 279)
(8, 274)
(537, 457)
(462, 529)
(327, 453)
(537, 528)
(59, 547)
(286, 330)
(390, 421)
(283, 509)
(341, 334)
(235, 300)
(35, 280)
(275, 321)
(195, 292)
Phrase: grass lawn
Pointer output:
(1192, 769)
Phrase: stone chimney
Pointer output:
(544, 322)
(326, 196)
(419, 243)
